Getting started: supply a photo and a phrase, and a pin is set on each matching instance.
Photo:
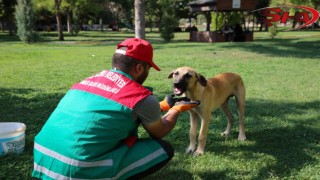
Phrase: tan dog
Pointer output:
(213, 93)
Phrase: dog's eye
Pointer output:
(176, 73)
(187, 76)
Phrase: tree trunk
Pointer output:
(209, 18)
(11, 28)
(69, 23)
(139, 12)
(243, 19)
(59, 26)
(101, 24)
(150, 22)
(58, 17)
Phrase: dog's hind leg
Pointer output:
(226, 111)
(194, 120)
(240, 99)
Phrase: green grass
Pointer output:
(282, 107)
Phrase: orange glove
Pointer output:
(169, 102)
(185, 105)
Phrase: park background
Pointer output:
(281, 74)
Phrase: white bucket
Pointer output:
(12, 137)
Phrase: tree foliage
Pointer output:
(7, 8)
(153, 13)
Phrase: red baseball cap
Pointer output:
(138, 49)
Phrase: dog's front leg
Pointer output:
(194, 118)
(205, 120)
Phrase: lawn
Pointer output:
(281, 76)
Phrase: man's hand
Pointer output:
(158, 129)
(185, 105)
(169, 101)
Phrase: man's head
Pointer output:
(134, 56)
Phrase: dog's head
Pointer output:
(185, 78)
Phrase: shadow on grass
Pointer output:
(290, 47)
(93, 37)
(288, 133)
(31, 107)
(5, 37)
(99, 38)
(293, 47)
(28, 106)
(284, 131)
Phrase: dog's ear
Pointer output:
(202, 80)
(170, 75)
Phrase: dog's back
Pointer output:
(226, 85)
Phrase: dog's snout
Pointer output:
(176, 84)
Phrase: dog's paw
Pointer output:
(225, 134)
(190, 150)
(242, 137)
(198, 152)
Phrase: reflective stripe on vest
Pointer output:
(73, 162)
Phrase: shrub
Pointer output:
(273, 30)
(167, 27)
(168, 22)
(25, 21)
